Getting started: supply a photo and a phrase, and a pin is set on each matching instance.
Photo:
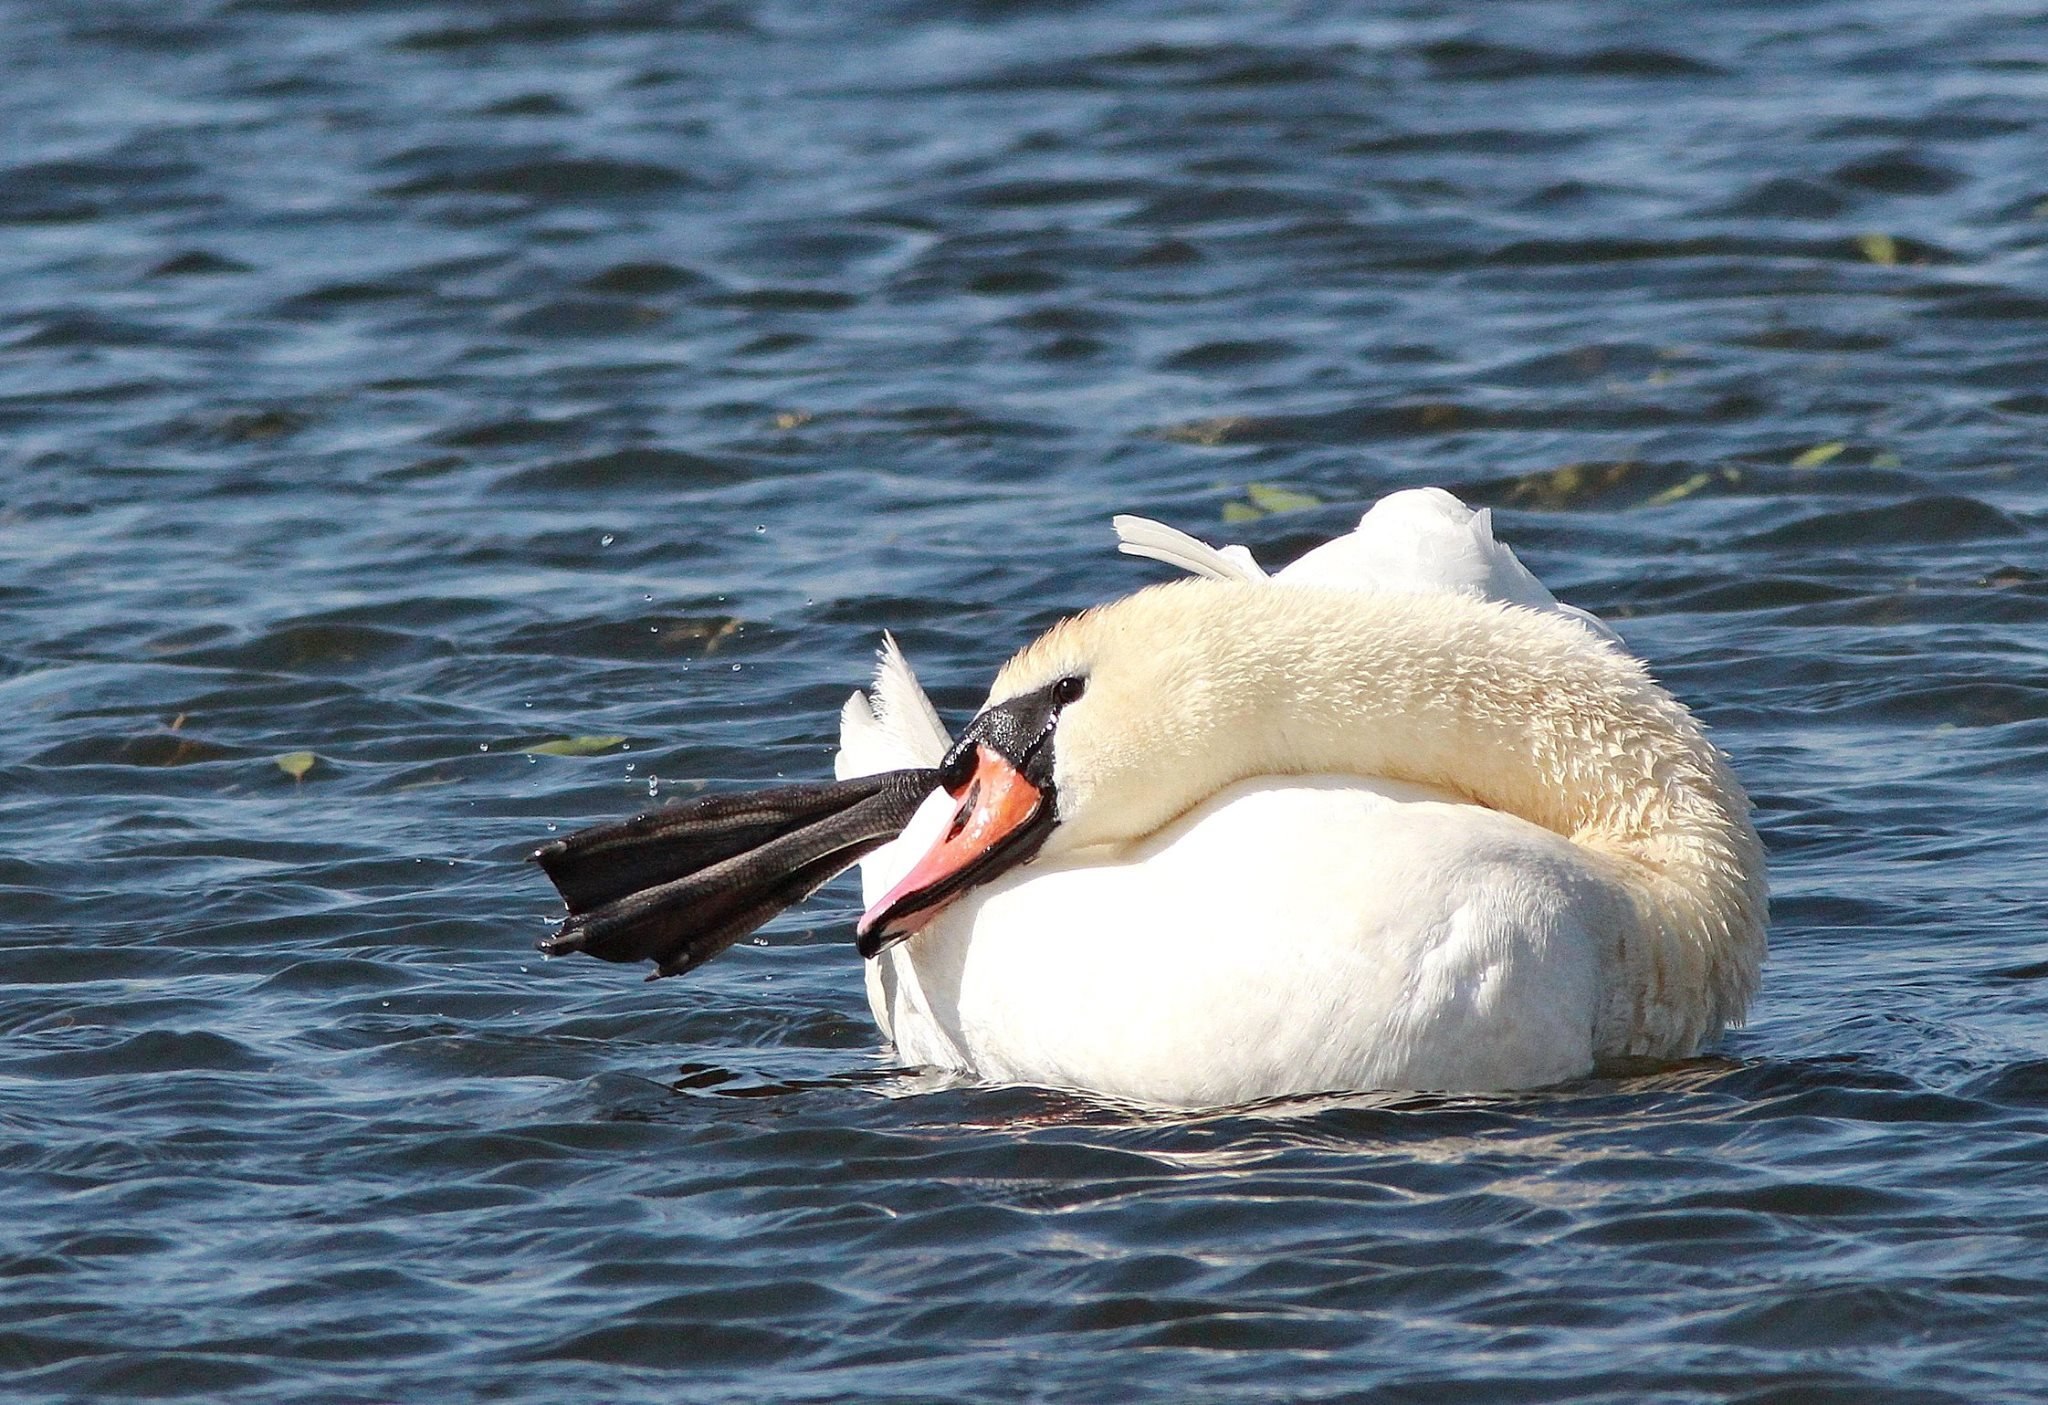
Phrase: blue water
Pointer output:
(409, 384)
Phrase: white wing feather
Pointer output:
(894, 727)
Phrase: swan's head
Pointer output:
(1099, 732)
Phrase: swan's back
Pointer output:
(1418, 541)
(1422, 540)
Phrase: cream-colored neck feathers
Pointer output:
(1197, 684)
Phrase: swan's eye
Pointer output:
(1068, 689)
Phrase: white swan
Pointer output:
(1391, 818)
(1375, 830)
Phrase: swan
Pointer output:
(1390, 818)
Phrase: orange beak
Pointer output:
(996, 826)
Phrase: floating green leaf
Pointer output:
(1572, 484)
(1820, 454)
(1678, 491)
(297, 763)
(1879, 248)
(573, 746)
(1206, 432)
(1268, 497)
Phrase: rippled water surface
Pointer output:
(389, 388)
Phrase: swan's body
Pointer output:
(1392, 818)
(1176, 976)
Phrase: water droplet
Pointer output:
(629, 768)
(552, 826)
(735, 668)
(760, 529)
(606, 540)
(647, 597)
(483, 746)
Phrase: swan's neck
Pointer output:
(1521, 712)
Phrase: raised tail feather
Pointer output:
(1141, 536)
(679, 886)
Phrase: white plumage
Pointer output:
(1392, 817)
